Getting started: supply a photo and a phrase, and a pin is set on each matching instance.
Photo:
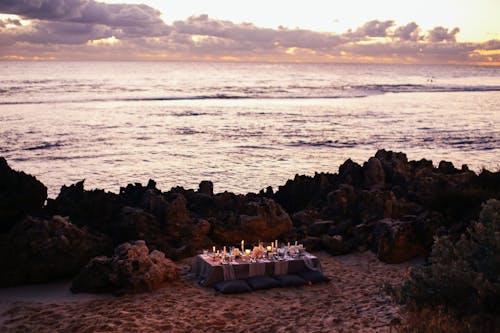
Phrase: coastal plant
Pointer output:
(462, 274)
(462, 277)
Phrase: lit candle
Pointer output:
(276, 243)
(272, 246)
(213, 249)
(269, 248)
(224, 253)
(247, 252)
(242, 245)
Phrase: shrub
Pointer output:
(463, 275)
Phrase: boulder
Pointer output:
(132, 269)
(374, 175)
(397, 241)
(320, 227)
(335, 245)
(20, 194)
(397, 170)
(305, 217)
(256, 220)
(206, 187)
(342, 201)
(96, 209)
(37, 250)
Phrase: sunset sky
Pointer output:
(384, 31)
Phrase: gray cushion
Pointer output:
(313, 276)
(233, 287)
(262, 282)
(290, 280)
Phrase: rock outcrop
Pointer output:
(20, 194)
(389, 205)
(352, 209)
(40, 250)
(132, 269)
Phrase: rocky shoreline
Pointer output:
(389, 205)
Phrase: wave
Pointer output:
(331, 92)
(45, 145)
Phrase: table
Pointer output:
(209, 272)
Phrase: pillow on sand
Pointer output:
(290, 280)
(233, 287)
(313, 276)
(262, 282)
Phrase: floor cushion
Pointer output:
(233, 287)
(290, 280)
(262, 282)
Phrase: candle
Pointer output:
(276, 243)
(247, 252)
(295, 243)
(272, 246)
(242, 245)
(213, 249)
(224, 253)
(269, 248)
(288, 244)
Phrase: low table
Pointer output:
(209, 272)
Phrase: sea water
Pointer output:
(243, 126)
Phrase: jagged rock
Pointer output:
(350, 173)
(312, 243)
(398, 241)
(342, 202)
(374, 205)
(447, 168)
(263, 219)
(20, 194)
(305, 217)
(397, 170)
(297, 193)
(206, 187)
(335, 245)
(135, 223)
(320, 227)
(38, 250)
(132, 269)
(374, 175)
(96, 209)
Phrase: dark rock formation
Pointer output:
(132, 269)
(96, 209)
(389, 188)
(389, 204)
(38, 250)
(262, 219)
(20, 194)
(398, 241)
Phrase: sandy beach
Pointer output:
(354, 301)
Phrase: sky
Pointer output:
(383, 31)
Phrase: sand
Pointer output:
(354, 301)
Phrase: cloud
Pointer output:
(4, 23)
(374, 28)
(88, 29)
(258, 37)
(440, 34)
(131, 20)
(411, 32)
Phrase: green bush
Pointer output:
(463, 275)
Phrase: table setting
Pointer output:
(272, 259)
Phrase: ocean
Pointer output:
(244, 126)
